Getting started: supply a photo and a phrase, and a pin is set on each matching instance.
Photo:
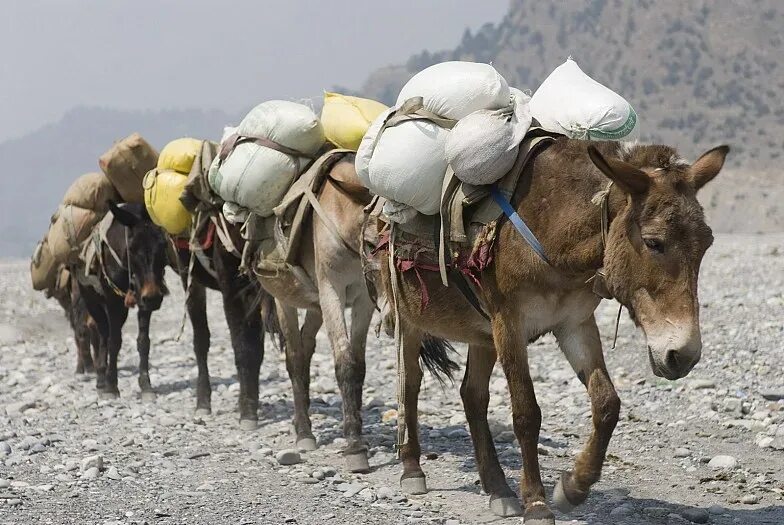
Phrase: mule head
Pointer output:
(146, 254)
(655, 247)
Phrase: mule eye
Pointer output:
(655, 245)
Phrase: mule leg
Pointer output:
(349, 370)
(300, 346)
(243, 315)
(526, 414)
(117, 315)
(413, 480)
(99, 333)
(583, 348)
(197, 312)
(143, 348)
(476, 396)
(84, 360)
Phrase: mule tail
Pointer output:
(434, 354)
(269, 319)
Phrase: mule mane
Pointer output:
(656, 156)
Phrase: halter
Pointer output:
(599, 279)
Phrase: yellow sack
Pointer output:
(179, 154)
(162, 190)
(346, 119)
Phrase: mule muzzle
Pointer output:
(674, 363)
(150, 297)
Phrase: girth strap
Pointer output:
(518, 223)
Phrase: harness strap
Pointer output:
(327, 220)
(222, 230)
(402, 433)
(518, 223)
(236, 139)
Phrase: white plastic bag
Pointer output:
(455, 89)
(572, 103)
(483, 146)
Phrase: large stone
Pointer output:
(696, 515)
(288, 457)
(92, 462)
(723, 462)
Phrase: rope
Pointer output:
(401, 363)
(602, 199)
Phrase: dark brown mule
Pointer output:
(142, 245)
(657, 238)
(83, 326)
(218, 269)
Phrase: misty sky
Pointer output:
(146, 54)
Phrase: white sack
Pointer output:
(572, 103)
(455, 89)
(483, 146)
(407, 165)
(256, 177)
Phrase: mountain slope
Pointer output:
(699, 73)
(38, 168)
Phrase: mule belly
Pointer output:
(291, 290)
(450, 316)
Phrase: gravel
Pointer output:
(158, 464)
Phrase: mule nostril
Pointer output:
(671, 359)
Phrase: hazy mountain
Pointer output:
(38, 168)
(699, 73)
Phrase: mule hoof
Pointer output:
(149, 396)
(413, 485)
(357, 463)
(538, 514)
(249, 424)
(108, 395)
(506, 507)
(561, 500)
(200, 412)
(307, 444)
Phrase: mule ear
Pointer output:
(708, 166)
(124, 217)
(624, 175)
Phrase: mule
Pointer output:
(137, 280)
(83, 326)
(330, 258)
(217, 268)
(654, 246)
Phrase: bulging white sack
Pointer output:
(256, 177)
(483, 146)
(572, 103)
(455, 89)
(408, 163)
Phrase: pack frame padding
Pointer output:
(275, 242)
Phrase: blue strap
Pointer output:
(518, 222)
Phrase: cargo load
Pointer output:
(179, 155)
(91, 191)
(483, 146)
(455, 89)
(162, 191)
(572, 103)
(273, 144)
(404, 155)
(346, 119)
(43, 267)
(126, 163)
(72, 226)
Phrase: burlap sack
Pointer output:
(126, 164)
(43, 267)
(72, 227)
(92, 191)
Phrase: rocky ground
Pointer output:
(706, 449)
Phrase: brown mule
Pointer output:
(656, 241)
